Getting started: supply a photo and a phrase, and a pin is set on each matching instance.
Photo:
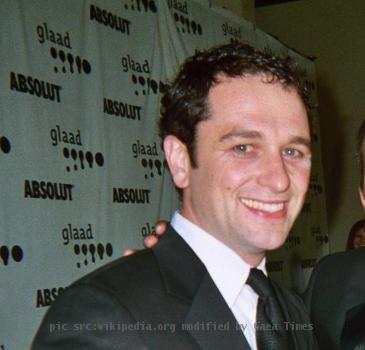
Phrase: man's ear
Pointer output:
(362, 197)
(178, 159)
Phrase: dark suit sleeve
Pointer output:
(85, 317)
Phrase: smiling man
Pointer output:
(235, 131)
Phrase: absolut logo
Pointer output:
(122, 109)
(131, 195)
(110, 20)
(48, 190)
(45, 297)
(35, 87)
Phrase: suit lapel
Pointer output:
(186, 278)
(209, 309)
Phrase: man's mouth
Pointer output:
(262, 206)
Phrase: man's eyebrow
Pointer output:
(298, 140)
(247, 134)
(251, 134)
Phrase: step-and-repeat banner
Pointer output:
(82, 174)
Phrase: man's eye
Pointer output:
(292, 152)
(243, 148)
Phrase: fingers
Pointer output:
(129, 252)
(160, 227)
(150, 241)
(154, 238)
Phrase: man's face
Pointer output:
(253, 165)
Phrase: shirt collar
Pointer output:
(228, 271)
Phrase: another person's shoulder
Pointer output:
(342, 261)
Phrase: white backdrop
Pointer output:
(82, 175)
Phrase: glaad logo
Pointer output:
(292, 241)
(315, 189)
(73, 234)
(62, 136)
(5, 145)
(184, 24)
(85, 159)
(321, 238)
(232, 31)
(307, 263)
(275, 266)
(145, 84)
(142, 5)
(69, 62)
(187, 26)
(45, 33)
(15, 253)
(178, 5)
(110, 20)
(45, 297)
(145, 152)
(95, 250)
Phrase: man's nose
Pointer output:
(274, 173)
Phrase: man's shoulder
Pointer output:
(138, 270)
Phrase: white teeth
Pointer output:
(271, 208)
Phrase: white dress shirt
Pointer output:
(228, 271)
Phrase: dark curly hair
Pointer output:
(360, 152)
(184, 103)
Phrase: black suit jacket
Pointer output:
(335, 298)
(156, 299)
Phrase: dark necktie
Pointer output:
(271, 333)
